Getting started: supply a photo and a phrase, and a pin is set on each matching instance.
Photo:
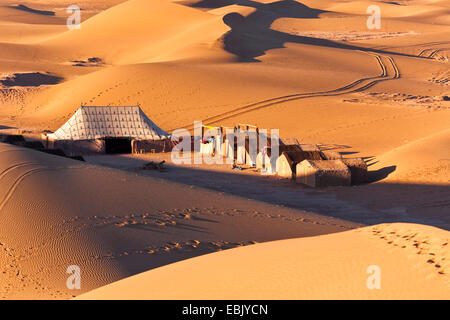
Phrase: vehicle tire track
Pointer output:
(20, 178)
(16, 166)
(423, 52)
(431, 52)
(16, 183)
(350, 88)
(412, 45)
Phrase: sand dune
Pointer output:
(423, 160)
(145, 28)
(164, 77)
(57, 212)
(27, 34)
(215, 67)
(309, 68)
(175, 99)
(411, 259)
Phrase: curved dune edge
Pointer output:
(57, 212)
(143, 27)
(413, 260)
(425, 160)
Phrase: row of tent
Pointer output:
(90, 128)
(303, 163)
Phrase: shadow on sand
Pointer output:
(371, 203)
(33, 79)
(25, 8)
(380, 174)
(2, 127)
(251, 36)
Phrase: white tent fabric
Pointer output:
(92, 122)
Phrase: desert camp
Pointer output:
(127, 130)
(211, 151)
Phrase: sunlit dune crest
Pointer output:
(325, 73)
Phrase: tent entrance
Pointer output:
(117, 145)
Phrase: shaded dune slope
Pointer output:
(411, 259)
(56, 212)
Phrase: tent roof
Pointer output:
(294, 157)
(92, 122)
(335, 165)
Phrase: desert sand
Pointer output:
(409, 257)
(311, 69)
(58, 212)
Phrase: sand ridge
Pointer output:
(411, 259)
(57, 212)
(311, 69)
